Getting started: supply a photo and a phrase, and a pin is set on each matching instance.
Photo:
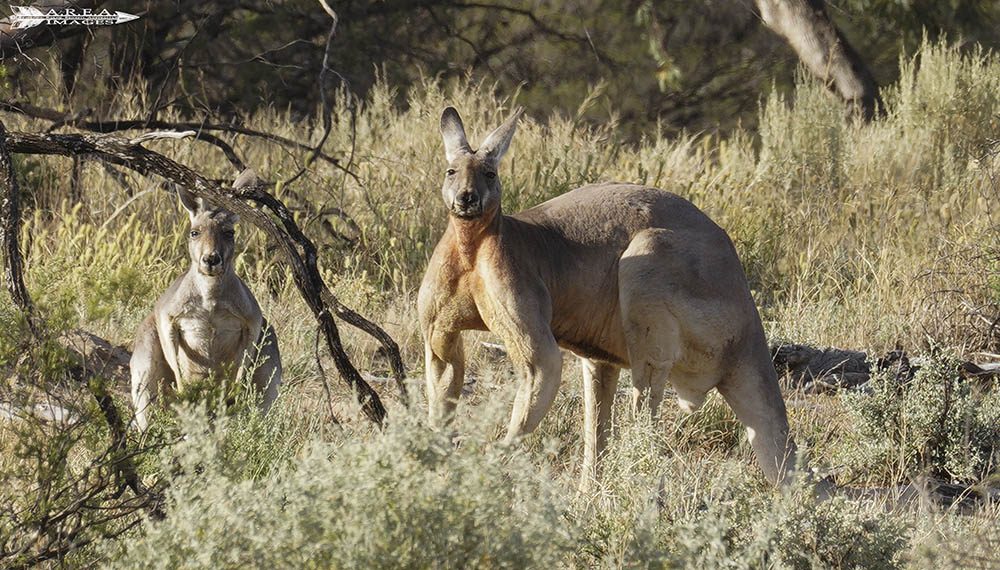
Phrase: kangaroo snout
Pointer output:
(212, 259)
(467, 204)
(211, 264)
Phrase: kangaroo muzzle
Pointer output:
(467, 205)
(211, 263)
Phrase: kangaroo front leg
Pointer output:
(444, 360)
(539, 362)
(169, 335)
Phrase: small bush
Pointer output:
(405, 499)
(835, 534)
(939, 423)
(737, 528)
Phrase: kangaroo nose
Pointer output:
(211, 259)
(467, 198)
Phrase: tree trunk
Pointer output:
(823, 49)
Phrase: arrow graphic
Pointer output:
(30, 16)
(26, 17)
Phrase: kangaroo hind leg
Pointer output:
(652, 332)
(149, 371)
(600, 381)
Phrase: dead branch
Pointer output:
(97, 355)
(392, 349)
(160, 135)
(299, 251)
(325, 102)
(201, 130)
(823, 49)
(10, 228)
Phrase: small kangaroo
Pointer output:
(624, 276)
(207, 322)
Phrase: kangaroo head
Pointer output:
(212, 238)
(471, 187)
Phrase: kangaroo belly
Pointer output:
(586, 313)
(210, 345)
(594, 332)
(691, 268)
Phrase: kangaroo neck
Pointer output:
(212, 287)
(470, 235)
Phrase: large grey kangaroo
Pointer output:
(207, 322)
(622, 275)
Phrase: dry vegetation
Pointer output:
(857, 235)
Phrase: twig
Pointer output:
(158, 135)
(127, 203)
(324, 98)
(322, 375)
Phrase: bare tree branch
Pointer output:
(200, 128)
(299, 251)
(10, 231)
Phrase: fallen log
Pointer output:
(820, 370)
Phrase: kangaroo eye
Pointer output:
(451, 172)
(490, 175)
(229, 233)
(194, 233)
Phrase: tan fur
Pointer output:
(207, 323)
(624, 276)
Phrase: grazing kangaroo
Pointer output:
(207, 322)
(624, 276)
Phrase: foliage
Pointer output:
(405, 499)
(940, 423)
(61, 486)
(699, 66)
(412, 498)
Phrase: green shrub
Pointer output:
(733, 526)
(835, 534)
(408, 498)
(940, 423)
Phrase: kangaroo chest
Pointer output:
(212, 338)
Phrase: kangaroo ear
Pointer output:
(453, 133)
(191, 203)
(247, 178)
(498, 141)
